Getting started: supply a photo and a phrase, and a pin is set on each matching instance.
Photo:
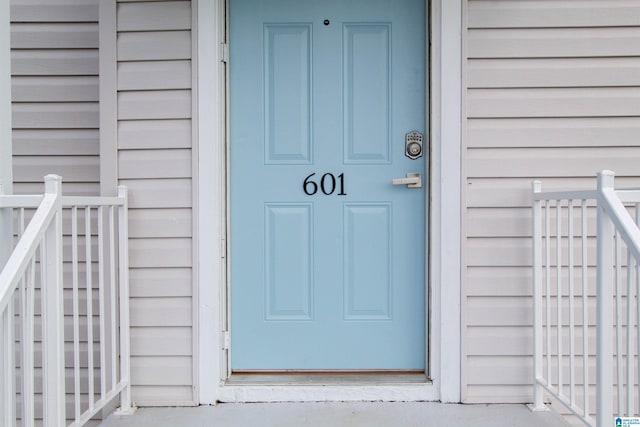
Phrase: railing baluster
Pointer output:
(22, 302)
(637, 302)
(629, 329)
(11, 357)
(43, 273)
(618, 326)
(89, 272)
(572, 351)
(585, 310)
(559, 292)
(547, 239)
(76, 311)
(27, 360)
(101, 315)
(27, 284)
(26, 337)
(112, 299)
(20, 222)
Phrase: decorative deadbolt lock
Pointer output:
(413, 144)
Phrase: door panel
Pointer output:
(327, 256)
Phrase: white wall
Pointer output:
(552, 93)
(54, 60)
(154, 159)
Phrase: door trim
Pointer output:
(444, 117)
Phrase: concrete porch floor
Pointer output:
(352, 414)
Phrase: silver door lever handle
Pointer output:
(413, 180)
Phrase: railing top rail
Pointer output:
(20, 201)
(33, 201)
(92, 201)
(566, 195)
(629, 195)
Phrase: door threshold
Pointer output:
(327, 378)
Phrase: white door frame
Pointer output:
(445, 214)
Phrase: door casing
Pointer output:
(444, 123)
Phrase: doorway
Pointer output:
(327, 255)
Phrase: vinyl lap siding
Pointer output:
(54, 65)
(552, 93)
(155, 162)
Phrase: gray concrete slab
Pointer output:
(351, 414)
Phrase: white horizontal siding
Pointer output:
(167, 163)
(161, 282)
(144, 371)
(170, 15)
(153, 312)
(54, 88)
(47, 35)
(160, 252)
(152, 341)
(554, 42)
(561, 102)
(154, 134)
(71, 168)
(553, 132)
(145, 223)
(51, 142)
(554, 72)
(535, 162)
(553, 93)
(158, 193)
(155, 45)
(149, 75)
(53, 11)
(154, 159)
(54, 60)
(558, 13)
(55, 115)
(157, 105)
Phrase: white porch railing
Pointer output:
(61, 330)
(586, 307)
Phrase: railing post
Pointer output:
(538, 403)
(123, 291)
(604, 306)
(53, 313)
(7, 392)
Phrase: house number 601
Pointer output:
(328, 184)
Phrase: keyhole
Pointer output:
(326, 22)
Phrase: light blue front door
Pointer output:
(328, 257)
